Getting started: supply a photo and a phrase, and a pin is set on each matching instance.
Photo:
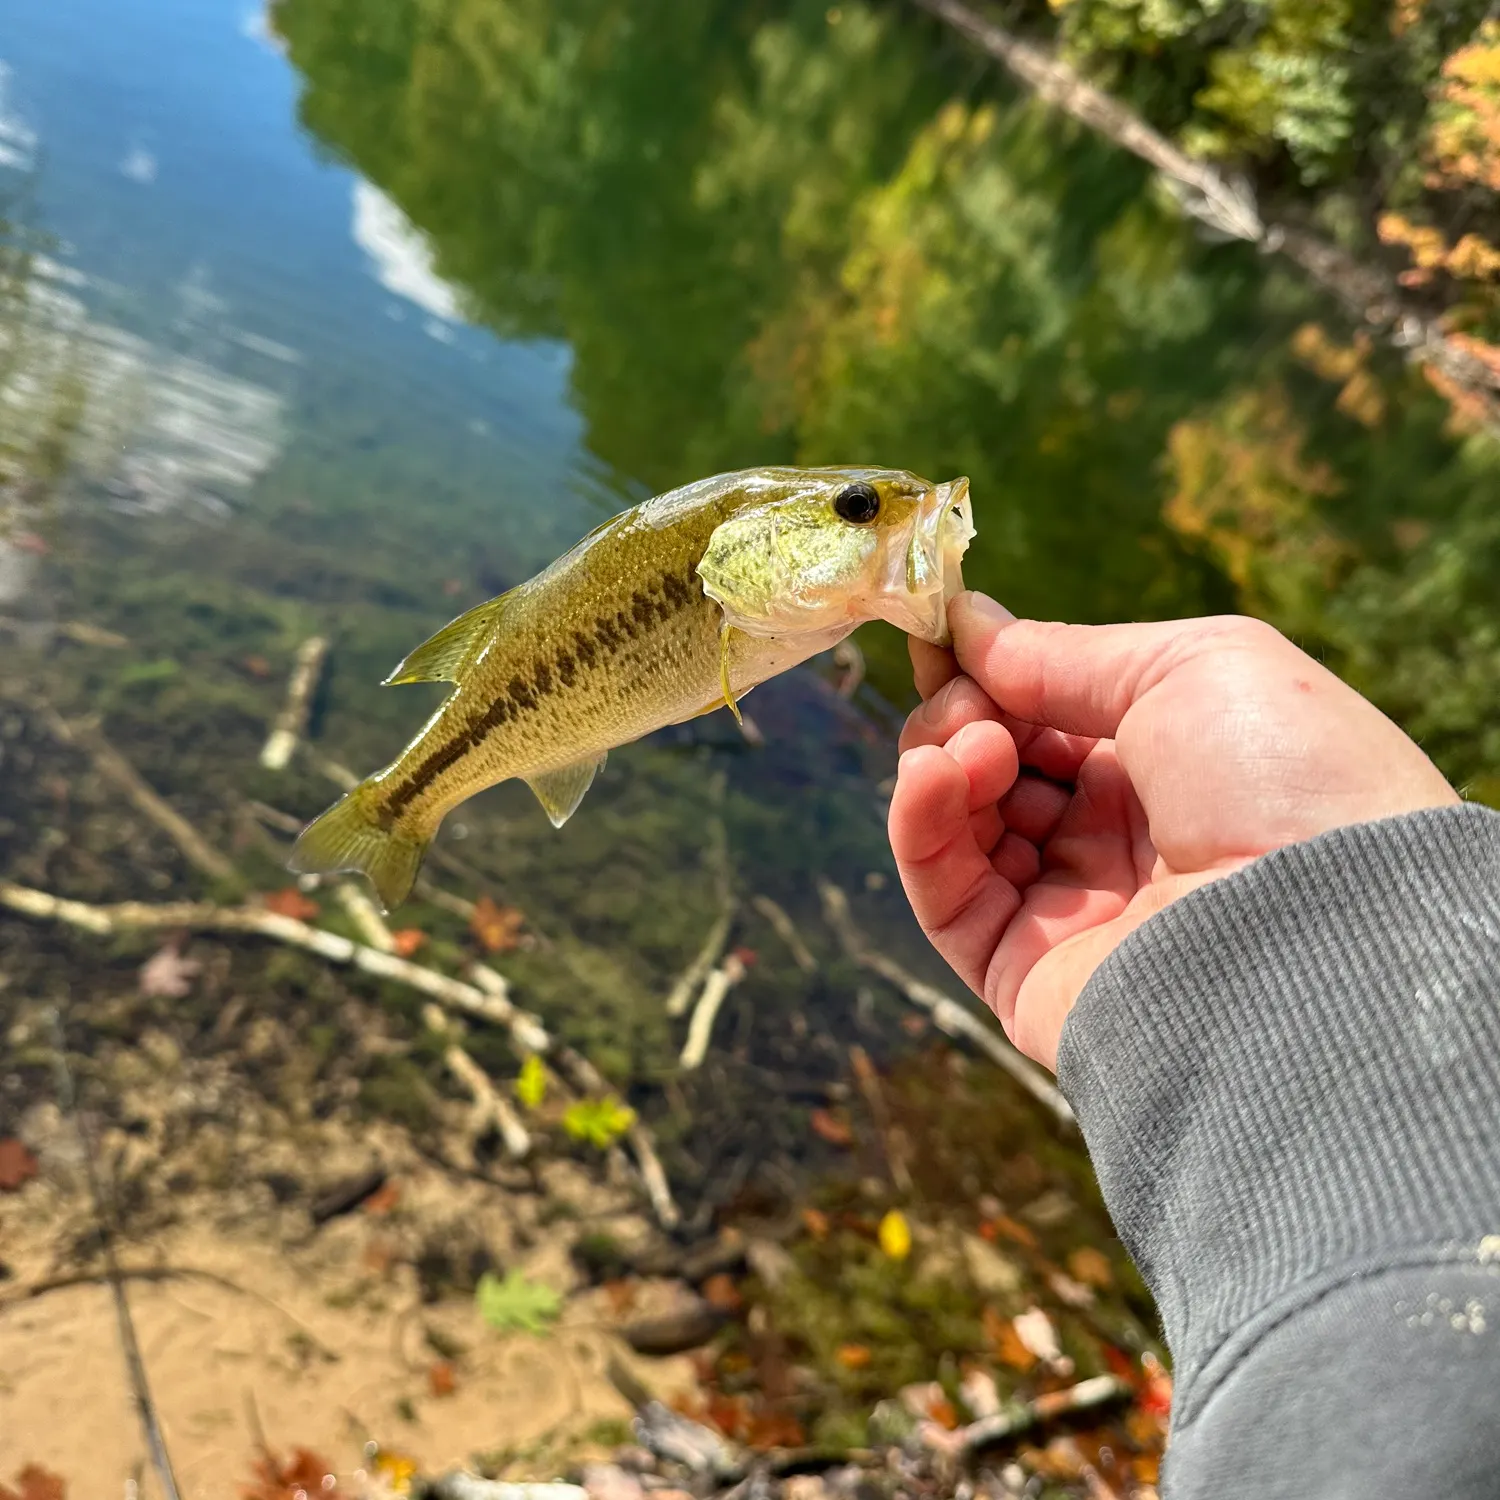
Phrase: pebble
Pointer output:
(610, 1482)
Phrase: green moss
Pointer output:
(397, 1089)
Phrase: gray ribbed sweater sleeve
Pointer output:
(1289, 1082)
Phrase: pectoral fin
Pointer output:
(444, 656)
(560, 792)
(724, 683)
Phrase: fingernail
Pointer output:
(935, 707)
(986, 610)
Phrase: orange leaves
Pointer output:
(853, 1356)
(720, 1292)
(1247, 488)
(1472, 258)
(17, 1164)
(1346, 365)
(1463, 142)
(406, 941)
(1006, 1342)
(1156, 1395)
(441, 1380)
(290, 902)
(815, 1222)
(304, 1473)
(1002, 1226)
(497, 928)
(35, 1483)
(756, 1427)
(1092, 1268)
(831, 1127)
(382, 1200)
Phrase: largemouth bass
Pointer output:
(668, 611)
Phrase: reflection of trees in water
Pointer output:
(778, 231)
(767, 236)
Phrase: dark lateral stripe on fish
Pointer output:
(522, 695)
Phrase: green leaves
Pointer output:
(601, 1122)
(531, 1086)
(516, 1304)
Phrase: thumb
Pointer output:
(1080, 679)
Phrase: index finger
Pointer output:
(931, 666)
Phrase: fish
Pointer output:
(667, 611)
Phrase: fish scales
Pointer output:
(612, 642)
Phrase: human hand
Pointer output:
(1062, 783)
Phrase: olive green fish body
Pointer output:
(615, 639)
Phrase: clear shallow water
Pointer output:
(191, 211)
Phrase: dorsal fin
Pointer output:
(443, 657)
(561, 791)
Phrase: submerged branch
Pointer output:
(292, 720)
(203, 916)
(1087, 1394)
(366, 918)
(114, 767)
(490, 1106)
(786, 930)
(700, 1028)
(947, 1014)
(487, 997)
(692, 977)
(130, 1349)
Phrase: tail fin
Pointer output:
(350, 836)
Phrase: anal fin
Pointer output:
(443, 656)
(561, 791)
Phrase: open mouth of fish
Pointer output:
(941, 534)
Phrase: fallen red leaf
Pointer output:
(815, 1222)
(622, 1296)
(1009, 1348)
(832, 1129)
(36, 1483)
(720, 1292)
(1156, 1391)
(302, 1474)
(291, 903)
(1015, 1231)
(1146, 1468)
(16, 1165)
(944, 1414)
(774, 1429)
(1091, 1267)
(496, 927)
(730, 1414)
(383, 1199)
(441, 1380)
(407, 940)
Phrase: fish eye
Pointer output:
(858, 502)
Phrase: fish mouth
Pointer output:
(941, 533)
